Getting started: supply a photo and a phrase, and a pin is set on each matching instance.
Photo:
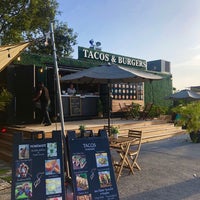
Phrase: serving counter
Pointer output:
(79, 105)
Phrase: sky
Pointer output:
(144, 29)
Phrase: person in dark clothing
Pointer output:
(43, 96)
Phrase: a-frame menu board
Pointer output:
(37, 171)
(91, 167)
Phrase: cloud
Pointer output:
(197, 47)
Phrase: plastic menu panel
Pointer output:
(37, 171)
(91, 167)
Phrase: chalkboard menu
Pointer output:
(75, 106)
(37, 171)
(91, 167)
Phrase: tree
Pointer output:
(64, 39)
(21, 18)
(29, 20)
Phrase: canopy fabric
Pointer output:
(107, 74)
(185, 95)
(9, 52)
(110, 74)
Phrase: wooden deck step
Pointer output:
(6, 145)
(6, 136)
(6, 156)
(152, 131)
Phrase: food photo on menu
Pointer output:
(104, 179)
(84, 197)
(52, 167)
(82, 182)
(23, 169)
(23, 190)
(23, 151)
(101, 159)
(79, 161)
(53, 186)
(52, 149)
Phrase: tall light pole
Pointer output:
(59, 97)
(57, 80)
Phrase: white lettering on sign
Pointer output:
(85, 53)
(127, 61)
(37, 145)
(89, 146)
(90, 55)
(106, 57)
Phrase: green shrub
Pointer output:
(82, 127)
(189, 116)
(156, 111)
(135, 109)
(114, 130)
(5, 98)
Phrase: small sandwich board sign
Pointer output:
(37, 170)
(91, 167)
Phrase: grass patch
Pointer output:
(3, 171)
(7, 179)
(3, 176)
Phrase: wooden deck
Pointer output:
(153, 130)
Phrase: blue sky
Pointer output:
(145, 29)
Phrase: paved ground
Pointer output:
(170, 170)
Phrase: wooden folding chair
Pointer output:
(134, 150)
(122, 148)
(124, 111)
(144, 113)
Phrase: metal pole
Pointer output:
(59, 100)
(109, 107)
(34, 85)
(57, 81)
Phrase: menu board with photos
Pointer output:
(91, 167)
(37, 171)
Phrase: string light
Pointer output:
(41, 70)
(47, 38)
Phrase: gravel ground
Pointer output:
(170, 170)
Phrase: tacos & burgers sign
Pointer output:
(90, 54)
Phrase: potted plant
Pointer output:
(114, 130)
(189, 118)
(82, 129)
